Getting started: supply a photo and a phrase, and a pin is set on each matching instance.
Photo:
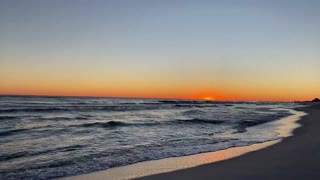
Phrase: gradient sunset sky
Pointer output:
(226, 50)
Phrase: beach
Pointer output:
(109, 138)
(296, 157)
(123, 90)
(285, 127)
(56, 137)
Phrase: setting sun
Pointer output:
(208, 98)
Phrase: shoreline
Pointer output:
(296, 157)
(170, 165)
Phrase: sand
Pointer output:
(194, 167)
(296, 157)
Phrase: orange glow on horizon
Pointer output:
(151, 90)
(208, 98)
(176, 93)
(164, 96)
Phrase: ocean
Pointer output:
(50, 137)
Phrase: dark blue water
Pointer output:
(48, 137)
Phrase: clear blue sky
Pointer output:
(160, 48)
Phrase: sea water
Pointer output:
(49, 137)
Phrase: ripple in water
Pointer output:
(48, 137)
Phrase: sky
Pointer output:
(223, 50)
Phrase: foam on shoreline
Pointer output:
(285, 127)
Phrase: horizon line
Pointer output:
(125, 97)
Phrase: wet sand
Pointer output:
(285, 127)
(296, 157)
